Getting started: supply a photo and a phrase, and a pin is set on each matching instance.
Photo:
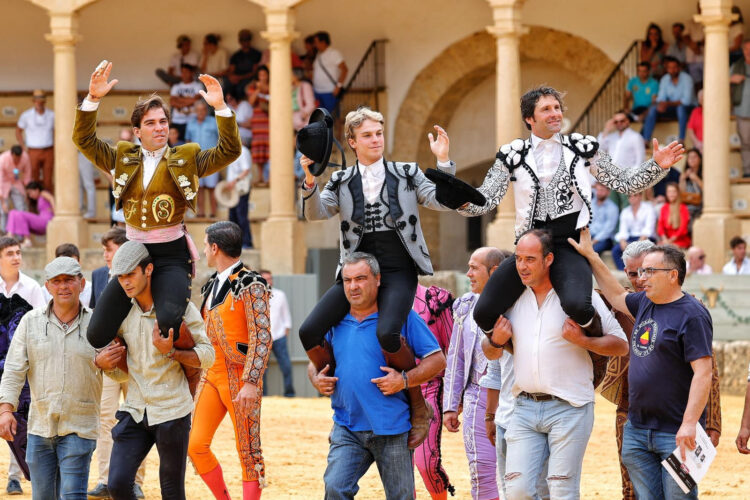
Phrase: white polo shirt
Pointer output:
(39, 129)
(543, 361)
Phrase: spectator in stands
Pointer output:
(641, 91)
(184, 55)
(739, 264)
(674, 220)
(41, 209)
(740, 92)
(214, 59)
(244, 113)
(309, 56)
(15, 173)
(174, 137)
(202, 129)
(183, 98)
(87, 186)
(659, 191)
(696, 261)
(242, 65)
(258, 96)
(736, 34)
(694, 53)
(695, 124)
(70, 250)
(329, 72)
(637, 222)
(237, 172)
(675, 99)
(605, 215)
(303, 99)
(623, 144)
(654, 50)
(691, 184)
(35, 132)
(678, 49)
(281, 325)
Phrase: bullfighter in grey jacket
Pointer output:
(378, 203)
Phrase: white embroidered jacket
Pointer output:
(515, 162)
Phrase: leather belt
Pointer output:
(538, 396)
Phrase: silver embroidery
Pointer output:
(627, 180)
(493, 188)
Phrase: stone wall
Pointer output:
(732, 358)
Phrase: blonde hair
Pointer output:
(355, 119)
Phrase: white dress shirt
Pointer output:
(731, 267)
(547, 153)
(241, 164)
(220, 279)
(373, 177)
(543, 361)
(281, 318)
(39, 128)
(27, 288)
(642, 223)
(626, 149)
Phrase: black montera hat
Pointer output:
(315, 140)
(452, 191)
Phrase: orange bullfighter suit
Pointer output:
(237, 322)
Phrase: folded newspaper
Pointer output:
(688, 473)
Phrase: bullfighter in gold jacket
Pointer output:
(235, 309)
(154, 184)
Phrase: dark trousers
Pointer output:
(570, 274)
(170, 287)
(131, 443)
(281, 352)
(398, 285)
(238, 215)
(18, 445)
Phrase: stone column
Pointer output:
(283, 247)
(67, 226)
(507, 30)
(716, 226)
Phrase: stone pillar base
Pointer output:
(712, 233)
(501, 233)
(65, 229)
(283, 249)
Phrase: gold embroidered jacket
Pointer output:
(175, 182)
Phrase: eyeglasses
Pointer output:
(647, 272)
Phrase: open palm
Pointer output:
(213, 95)
(98, 85)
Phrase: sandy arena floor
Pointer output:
(295, 435)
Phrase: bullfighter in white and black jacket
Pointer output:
(552, 187)
(377, 201)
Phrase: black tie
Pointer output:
(216, 292)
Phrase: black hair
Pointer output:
(145, 262)
(545, 238)
(8, 241)
(68, 250)
(672, 257)
(227, 236)
(324, 37)
(647, 42)
(737, 240)
(16, 150)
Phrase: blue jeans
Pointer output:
(538, 431)
(681, 112)
(59, 466)
(238, 215)
(501, 446)
(285, 364)
(327, 100)
(642, 453)
(351, 454)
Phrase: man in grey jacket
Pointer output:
(378, 204)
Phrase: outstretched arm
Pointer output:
(98, 84)
(493, 188)
(229, 147)
(98, 152)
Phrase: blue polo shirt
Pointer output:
(205, 133)
(357, 403)
(664, 340)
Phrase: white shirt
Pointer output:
(244, 113)
(177, 59)
(27, 288)
(330, 60)
(373, 177)
(705, 270)
(220, 279)
(180, 115)
(547, 154)
(281, 317)
(241, 164)
(731, 267)
(84, 297)
(643, 223)
(626, 149)
(543, 361)
(39, 129)
(506, 400)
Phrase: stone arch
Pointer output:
(438, 89)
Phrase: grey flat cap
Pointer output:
(62, 265)
(127, 257)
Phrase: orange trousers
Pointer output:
(214, 401)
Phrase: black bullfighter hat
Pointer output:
(452, 191)
(315, 140)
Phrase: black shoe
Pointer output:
(100, 491)
(14, 487)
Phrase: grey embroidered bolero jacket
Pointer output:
(515, 162)
(405, 188)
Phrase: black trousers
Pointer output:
(170, 287)
(398, 285)
(570, 274)
(131, 443)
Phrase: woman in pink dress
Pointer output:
(42, 208)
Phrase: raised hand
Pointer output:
(213, 95)
(584, 246)
(668, 155)
(441, 146)
(98, 85)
